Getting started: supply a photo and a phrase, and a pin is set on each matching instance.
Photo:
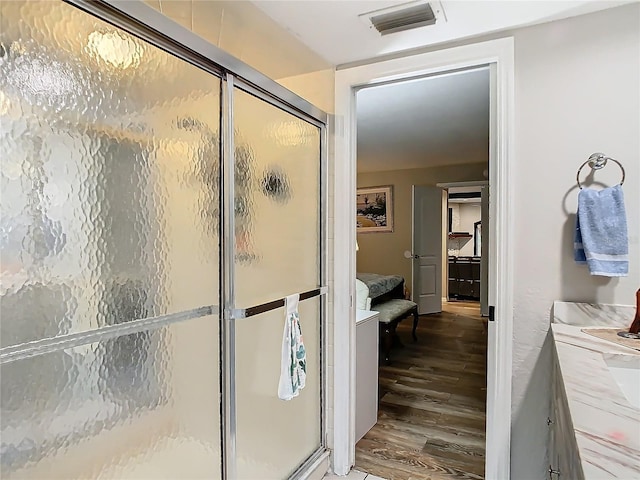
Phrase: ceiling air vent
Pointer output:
(403, 17)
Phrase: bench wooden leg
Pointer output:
(387, 342)
(415, 324)
(396, 342)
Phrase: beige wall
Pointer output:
(383, 252)
(316, 87)
(246, 32)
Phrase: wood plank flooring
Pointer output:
(431, 419)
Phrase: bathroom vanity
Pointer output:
(595, 421)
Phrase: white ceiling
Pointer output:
(433, 121)
(332, 28)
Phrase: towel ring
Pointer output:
(597, 161)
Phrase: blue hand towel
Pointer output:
(601, 232)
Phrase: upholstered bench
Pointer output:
(391, 312)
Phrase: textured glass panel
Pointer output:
(275, 436)
(128, 407)
(109, 167)
(277, 202)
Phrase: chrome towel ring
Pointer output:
(597, 161)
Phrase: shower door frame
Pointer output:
(144, 22)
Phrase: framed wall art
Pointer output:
(374, 209)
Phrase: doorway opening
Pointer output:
(412, 136)
(498, 55)
(466, 259)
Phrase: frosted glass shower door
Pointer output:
(277, 253)
(109, 219)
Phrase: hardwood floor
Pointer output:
(431, 419)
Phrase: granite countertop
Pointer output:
(606, 425)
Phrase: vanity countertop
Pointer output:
(606, 425)
(365, 315)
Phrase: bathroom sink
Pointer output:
(625, 369)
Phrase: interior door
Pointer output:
(427, 249)
(484, 252)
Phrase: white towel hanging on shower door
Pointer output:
(293, 367)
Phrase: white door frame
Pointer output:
(499, 53)
(483, 279)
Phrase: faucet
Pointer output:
(635, 325)
(634, 329)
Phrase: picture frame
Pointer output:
(374, 209)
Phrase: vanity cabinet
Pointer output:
(563, 456)
(464, 278)
(594, 429)
(366, 371)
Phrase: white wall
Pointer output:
(577, 92)
(469, 215)
(464, 216)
